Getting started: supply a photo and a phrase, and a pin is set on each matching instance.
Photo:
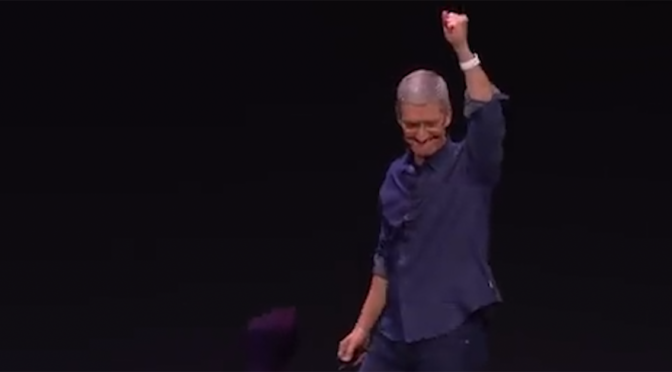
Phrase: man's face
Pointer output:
(424, 127)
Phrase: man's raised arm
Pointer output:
(486, 120)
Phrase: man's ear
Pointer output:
(449, 119)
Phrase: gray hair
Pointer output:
(421, 87)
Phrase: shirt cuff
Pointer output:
(471, 105)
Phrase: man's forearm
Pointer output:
(374, 303)
(479, 86)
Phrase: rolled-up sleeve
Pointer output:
(485, 136)
(379, 266)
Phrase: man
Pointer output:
(271, 340)
(431, 279)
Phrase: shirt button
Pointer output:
(407, 217)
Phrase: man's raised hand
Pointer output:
(455, 28)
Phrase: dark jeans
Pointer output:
(463, 349)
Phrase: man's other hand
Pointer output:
(352, 348)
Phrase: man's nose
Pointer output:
(422, 135)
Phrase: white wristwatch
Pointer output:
(468, 65)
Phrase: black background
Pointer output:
(171, 169)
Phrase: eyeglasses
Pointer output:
(427, 125)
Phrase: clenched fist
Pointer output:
(455, 28)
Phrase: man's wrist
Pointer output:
(463, 53)
(362, 329)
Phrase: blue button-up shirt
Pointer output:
(434, 235)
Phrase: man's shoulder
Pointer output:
(393, 170)
(397, 165)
